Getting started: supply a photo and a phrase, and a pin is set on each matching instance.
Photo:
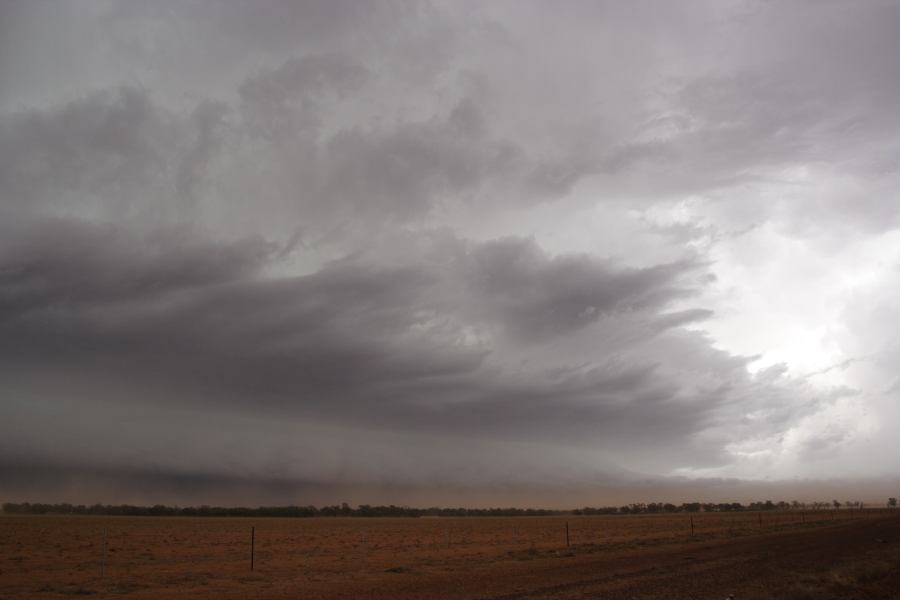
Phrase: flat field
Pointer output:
(643, 556)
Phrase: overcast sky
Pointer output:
(302, 248)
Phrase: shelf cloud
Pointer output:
(405, 249)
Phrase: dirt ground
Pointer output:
(811, 555)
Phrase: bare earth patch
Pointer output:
(818, 556)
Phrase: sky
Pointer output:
(417, 252)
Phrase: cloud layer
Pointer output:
(410, 246)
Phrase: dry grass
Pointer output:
(865, 572)
(54, 556)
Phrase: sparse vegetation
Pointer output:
(367, 510)
(60, 555)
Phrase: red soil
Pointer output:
(786, 555)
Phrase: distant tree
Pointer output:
(836, 504)
(892, 502)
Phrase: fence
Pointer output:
(125, 553)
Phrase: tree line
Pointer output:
(366, 510)
(342, 510)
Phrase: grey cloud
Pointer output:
(633, 154)
(407, 171)
(125, 153)
(318, 213)
(91, 145)
(208, 309)
(26, 480)
(795, 95)
(231, 27)
(208, 120)
(537, 297)
(376, 347)
(386, 170)
(284, 102)
(60, 264)
(370, 345)
(677, 319)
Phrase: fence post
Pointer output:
(103, 555)
(692, 526)
(567, 534)
(252, 546)
(760, 520)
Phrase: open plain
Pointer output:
(819, 554)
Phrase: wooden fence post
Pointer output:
(103, 555)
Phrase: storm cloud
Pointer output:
(324, 246)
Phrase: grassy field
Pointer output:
(146, 557)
